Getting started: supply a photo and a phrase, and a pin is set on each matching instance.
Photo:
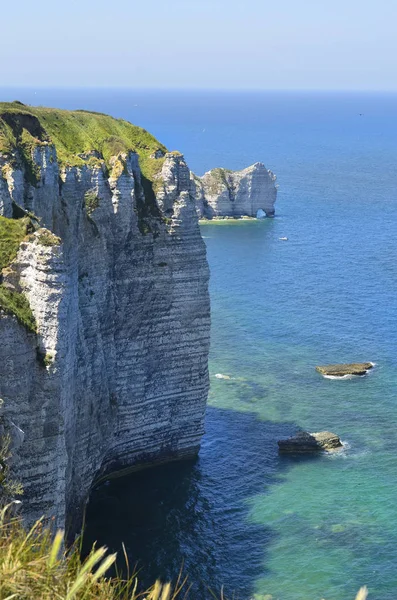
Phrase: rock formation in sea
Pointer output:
(104, 304)
(304, 442)
(223, 193)
(344, 370)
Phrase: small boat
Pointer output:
(283, 239)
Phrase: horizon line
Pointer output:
(198, 89)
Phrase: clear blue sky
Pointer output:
(278, 44)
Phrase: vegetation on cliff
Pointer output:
(8, 487)
(12, 232)
(80, 137)
(91, 202)
(15, 303)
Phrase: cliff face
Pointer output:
(223, 193)
(115, 375)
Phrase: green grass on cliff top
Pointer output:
(75, 132)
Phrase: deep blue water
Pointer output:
(241, 516)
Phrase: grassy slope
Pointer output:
(12, 233)
(73, 133)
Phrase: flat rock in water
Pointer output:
(345, 369)
(310, 442)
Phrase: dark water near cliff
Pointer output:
(241, 516)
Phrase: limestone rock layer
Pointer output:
(223, 193)
(116, 375)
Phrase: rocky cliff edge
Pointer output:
(104, 305)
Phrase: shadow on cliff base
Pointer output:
(195, 513)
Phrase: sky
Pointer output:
(220, 44)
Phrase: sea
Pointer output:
(242, 518)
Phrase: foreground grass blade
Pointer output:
(55, 549)
(82, 576)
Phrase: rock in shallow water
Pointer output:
(310, 442)
(345, 369)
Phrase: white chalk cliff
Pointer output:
(223, 193)
(104, 304)
(116, 375)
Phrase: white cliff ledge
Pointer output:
(114, 373)
(251, 192)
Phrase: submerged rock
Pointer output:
(310, 442)
(345, 369)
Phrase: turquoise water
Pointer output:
(242, 516)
